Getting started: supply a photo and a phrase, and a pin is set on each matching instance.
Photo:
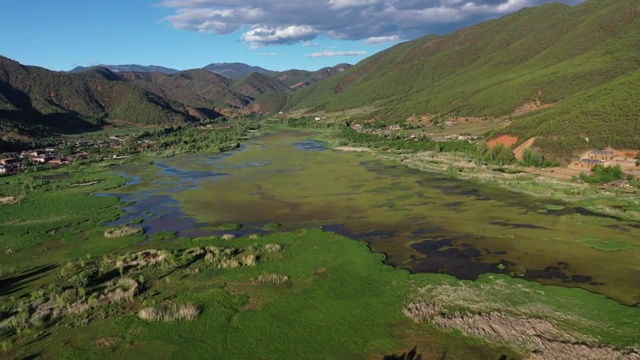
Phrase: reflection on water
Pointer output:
(422, 221)
(311, 145)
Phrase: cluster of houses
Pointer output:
(595, 157)
(11, 163)
(63, 153)
(393, 131)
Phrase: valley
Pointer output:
(469, 194)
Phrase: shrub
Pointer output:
(603, 174)
(270, 279)
(250, 260)
(229, 264)
(123, 231)
(272, 247)
(125, 289)
(169, 313)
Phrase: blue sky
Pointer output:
(184, 34)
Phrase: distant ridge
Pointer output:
(129, 68)
(235, 70)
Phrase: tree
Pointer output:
(531, 158)
(603, 174)
(499, 155)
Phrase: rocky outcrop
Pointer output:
(539, 339)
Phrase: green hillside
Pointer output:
(558, 54)
(196, 87)
(36, 98)
(297, 79)
(256, 84)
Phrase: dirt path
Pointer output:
(519, 151)
(352, 148)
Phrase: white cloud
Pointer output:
(375, 40)
(262, 35)
(274, 22)
(328, 53)
(340, 4)
(310, 44)
(267, 54)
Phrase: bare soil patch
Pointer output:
(539, 338)
(108, 341)
(10, 200)
(625, 153)
(531, 106)
(352, 148)
(506, 140)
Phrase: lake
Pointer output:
(423, 222)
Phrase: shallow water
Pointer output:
(422, 221)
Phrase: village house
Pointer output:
(588, 163)
(39, 159)
(9, 169)
(31, 153)
(603, 155)
(9, 161)
(57, 162)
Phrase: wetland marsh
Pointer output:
(422, 221)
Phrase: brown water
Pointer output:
(423, 221)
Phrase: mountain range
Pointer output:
(567, 76)
(36, 101)
(129, 68)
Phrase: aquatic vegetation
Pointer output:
(388, 205)
(605, 244)
(230, 227)
(554, 207)
(164, 235)
(272, 226)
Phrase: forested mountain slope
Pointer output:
(297, 79)
(61, 102)
(584, 60)
(196, 87)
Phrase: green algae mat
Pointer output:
(422, 221)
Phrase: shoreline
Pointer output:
(522, 180)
